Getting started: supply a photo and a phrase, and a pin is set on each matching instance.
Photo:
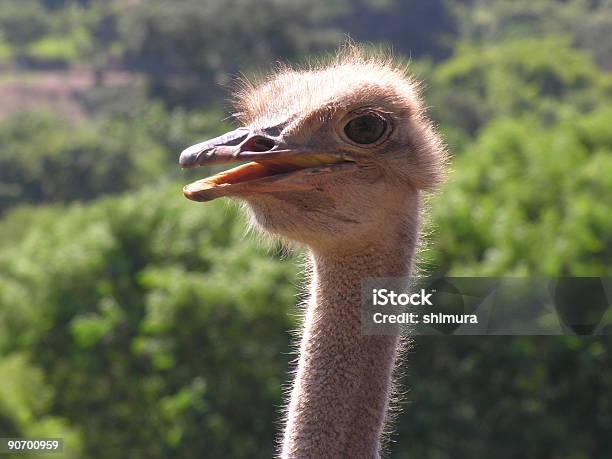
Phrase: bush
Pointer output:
(46, 159)
(25, 401)
(161, 329)
(528, 200)
(57, 50)
(537, 76)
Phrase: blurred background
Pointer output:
(137, 324)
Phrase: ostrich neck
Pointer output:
(342, 387)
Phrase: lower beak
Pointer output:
(273, 165)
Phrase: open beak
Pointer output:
(273, 165)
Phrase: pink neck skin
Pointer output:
(341, 391)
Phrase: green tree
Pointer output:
(46, 159)
(588, 23)
(411, 27)
(25, 403)
(506, 397)
(512, 78)
(529, 200)
(161, 330)
(22, 22)
(188, 47)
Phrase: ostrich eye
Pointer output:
(365, 129)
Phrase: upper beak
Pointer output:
(241, 144)
(214, 150)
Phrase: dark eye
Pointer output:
(365, 129)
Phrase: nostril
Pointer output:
(258, 143)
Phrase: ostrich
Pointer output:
(339, 157)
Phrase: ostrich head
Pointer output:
(334, 152)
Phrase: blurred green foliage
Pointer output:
(529, 199)
(250, 36)
(587, 23)
(144, 325)
(484, 81)
(507, 397)
(25, 401)
(158, 318)
(43, 34)
(48, 159)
